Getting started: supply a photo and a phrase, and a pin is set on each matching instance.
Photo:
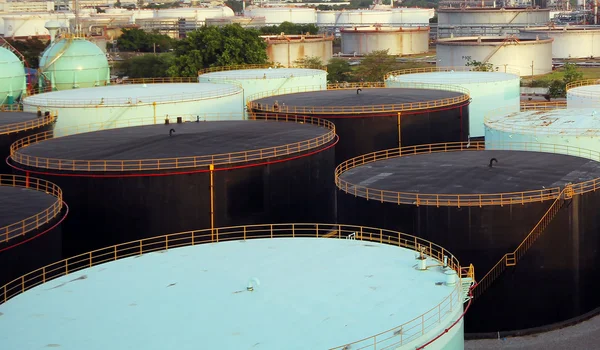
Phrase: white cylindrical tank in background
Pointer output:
(26, 25)
(348, 18)
(109, 104)
(287, 49)
(199, 14)
(492, 15)
(268, 81)
(569, 41)
(12, 77)
(407, 15)
(584, 94)
(488, 90)
(572, 127)
(278, 15)
(526, 56)
(399, 41)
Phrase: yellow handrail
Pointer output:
(396, 336)
(585, 82)
(27, 125)
(397, 107)
(257, 66)
(33, 222)
(542, 106)
(511, 259)
(164, 80)
(460, 200)
(107, 165)
(395, 73)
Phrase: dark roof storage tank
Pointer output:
(372, 119)
(528, 217)
(129, 183)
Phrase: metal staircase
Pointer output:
(512, 258)
(507, 40)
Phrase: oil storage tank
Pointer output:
(570, 127)
(348, 18)
(488, 90)
(137, 182)
(135, 104)
(527, 218)
(583, 94)
(74, 62)
(425, 281)
(286, 50)
(569, 41)
(372, 119)
(278, 15)
(492, 15)
(258, 81)
(12, 77)
(398, 40)
(31, 215)
(527, 56)
(15, 125)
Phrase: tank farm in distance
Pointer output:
(31, 217)
(372, 119)
(538, 201)
(130, 183)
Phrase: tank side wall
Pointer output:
(287, 54)
(9, 139)
(398, 43)
(576, 98)
(501, 139)
(494, 17)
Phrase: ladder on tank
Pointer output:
(507, 40)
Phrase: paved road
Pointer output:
(582, 336)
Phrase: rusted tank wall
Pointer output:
(286, 52)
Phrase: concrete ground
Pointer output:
(582, 336)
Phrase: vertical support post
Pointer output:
(211, 169)
(154, 108)
(399, 131)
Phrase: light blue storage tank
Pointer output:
(12, 77)
(577, 128)
(488, 90)
(585, 96)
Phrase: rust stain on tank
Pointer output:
(301, 51)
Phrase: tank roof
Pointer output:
(489, 40)
(366, 100)
(191, 145)
(560, 29)
(492, 9)
(386, 29)
(468, 172)
(453, 77)
(189, 295)
(132, 94)
(16, 121)
(592, 90)
(571, 121)
(264, 73)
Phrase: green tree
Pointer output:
(31, 49)
(375, 65)
(217, 46)
(338, 70)
(558, 88)
(480, 66)
(235, 5)
(309, 62)
(147, 66)
(290, 28)
(138, 40)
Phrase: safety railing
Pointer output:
(108, 165)
(530, 122)
(511, 259)
(397, 336)
(45, 100)
(347, 85)
(165, 80)
(15, 107)
(33, 222)
(585, 82)
(391, 75)
(27, 124)
(460, 200)
(542, 106)
(252, 104)
(256, 66)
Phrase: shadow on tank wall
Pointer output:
(554, 281)
(8, 139)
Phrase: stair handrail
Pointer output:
(512, 258)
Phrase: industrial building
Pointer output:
(488, 90)
(83, 110)
(185, 174)
(272, 280)
(569, 41)
(286, 50)
(372, 119)
(506, 211)
(399, 41)
(31, 215)
(527, 56)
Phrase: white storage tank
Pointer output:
(343, 18)
(570, 127)
(282, 292)
(527, 56)
(407, 15)
(569, 41)
(199, 14)
(269, 81)
(399, 40)
(278, 15)
(287, 49)
(137, 104)
(12, 77)
(25, 25)
(583, 94)
(492, 15)
(488, 90)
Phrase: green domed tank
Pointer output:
(71, 63)
(12, 77)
